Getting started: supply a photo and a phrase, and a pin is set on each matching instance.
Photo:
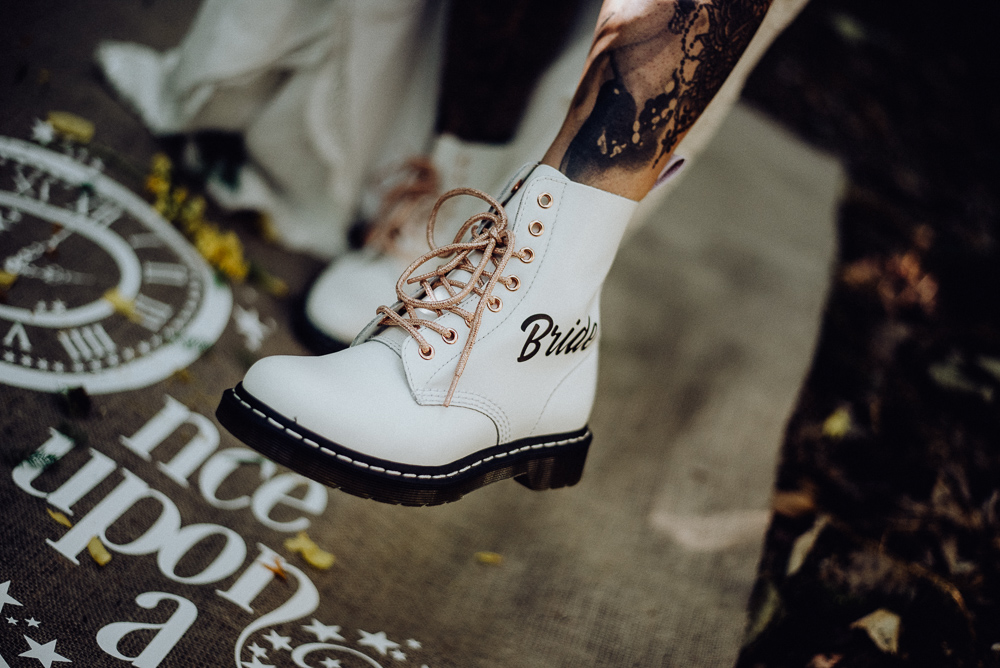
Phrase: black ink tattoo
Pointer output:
(618, 134)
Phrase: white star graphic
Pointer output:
(6, 598)
(324, 632)
(257, 650)
(43, 132)
(413, 644)
(377, 640)
(32, 621)
(11, 620)
(397, 655)
(330, 663)
(255, 663)
(46, 654)
(278, 642)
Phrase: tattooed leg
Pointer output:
(653, 68)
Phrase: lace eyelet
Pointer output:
(527, 255)
(494, 303)
(512, 283)
(535, 228)
(426, 355)
(545, 200)
(450, 336)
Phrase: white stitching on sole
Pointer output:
(363, 465)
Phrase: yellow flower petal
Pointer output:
(98, 552)
(59, 517)
(122, 305)
(71, 126)
(489, 558)
(314, 555)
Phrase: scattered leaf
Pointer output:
(882, 626)
(71, 126)
(838, 423)
(98, 552)
(991, 365)
(949, 375)
(761, 615)
(794, 503)
(489, 558)
(59, 517)
(825, 661)
(849, 28)
(804, 544)
(276, 568)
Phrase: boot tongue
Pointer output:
(508, 196)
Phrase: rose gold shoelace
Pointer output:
(494, 241)
(407, 192)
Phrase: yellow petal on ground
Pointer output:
(489, 558)
(318, 558)
(157, 185)
(299, 543)
(59, 517)
(7, 279)
(122, 305)
(882, 626)
(314, 555)
(160, 164)
(838, 423)
(98, 552)
(71, 126)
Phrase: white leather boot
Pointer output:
(489, 372)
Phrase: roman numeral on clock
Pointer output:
(24, 183)
(87, 343)
(18, 334)
(164, 273)
(153, 313)
(103, 213)
(145, 240)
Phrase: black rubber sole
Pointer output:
(539, 463)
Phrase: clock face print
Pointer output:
(97, 289)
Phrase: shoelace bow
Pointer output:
(494, 241)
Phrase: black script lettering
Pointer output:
(561, 347)
(574, 345)
(577, 338)
(590, 339)
(533, 343)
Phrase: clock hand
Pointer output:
(15, 263)
(53, 274)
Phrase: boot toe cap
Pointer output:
(360, 399)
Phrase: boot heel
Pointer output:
(562, 470)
